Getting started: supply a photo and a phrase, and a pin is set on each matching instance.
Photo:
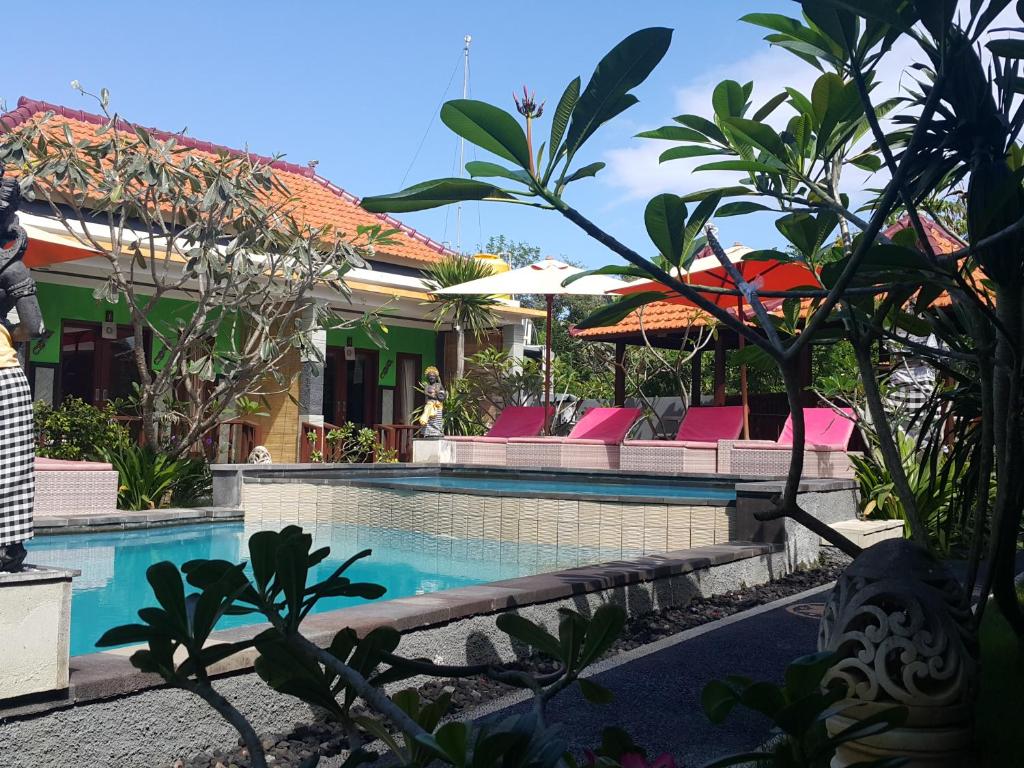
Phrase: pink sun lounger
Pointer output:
(827, 432)
(695, 447)
(513, 421)
(593, 443)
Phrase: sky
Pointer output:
(358, 86)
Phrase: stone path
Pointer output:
(657, 687)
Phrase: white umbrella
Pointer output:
(543, 278)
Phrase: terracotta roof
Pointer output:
(662, 316)
(319, 202)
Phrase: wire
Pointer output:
(430, 123)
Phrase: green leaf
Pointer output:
(703, 125)
(528, 633)
(740, 208)
(769, 106)
(169, 590)
(718, 700)
(665, 219)
(560, 119)
(758, 134)
(728, 99)
(766, 698)
(594, 693)
(736, 191)
(571, 629)
(700, 216)
(621, 270)
(617, 310)
(1009, 48)
(624, 67)
(477, 168)
(488, 127)
(749, 166)
(681, 153)
(262, 554)
(804, 675)
(126, 634)
(605, 627)
(584, 172)
(673, 133)
(432, 194)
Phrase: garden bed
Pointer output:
(288, 750)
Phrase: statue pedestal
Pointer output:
(35, 631)
(426, 451)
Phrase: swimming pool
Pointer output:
(113, 586)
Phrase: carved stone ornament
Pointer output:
(900, 622)
(260, 455)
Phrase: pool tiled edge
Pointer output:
(109, 674)
(122, 520)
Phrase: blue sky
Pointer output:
(355, 86)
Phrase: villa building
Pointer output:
(89, 352)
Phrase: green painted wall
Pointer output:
(416, 341)
(68, 302)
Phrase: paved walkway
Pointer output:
(657, 688)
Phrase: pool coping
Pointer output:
(109, 674)
(126, 520)
(228, 479)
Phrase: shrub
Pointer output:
(77, 431)
(150, 479)
(352, 444)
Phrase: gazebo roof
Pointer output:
(663, 318)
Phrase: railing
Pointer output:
(230, 442)
(233, 441)
(397, 438)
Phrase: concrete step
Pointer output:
(864, 533)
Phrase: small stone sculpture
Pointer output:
(260, 455)
(432, 417)
(17, 436)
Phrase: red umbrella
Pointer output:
(761, 275)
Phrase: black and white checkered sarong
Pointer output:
(17, 457)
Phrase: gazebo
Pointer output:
(668, 325)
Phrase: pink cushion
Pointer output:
(711, 424)
(44, 464)
(608, 425)
(519, 421)
(823, 428)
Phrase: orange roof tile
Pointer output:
(318, 201)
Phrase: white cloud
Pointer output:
(634, 171)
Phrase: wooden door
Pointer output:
(350, 387)
(96, 369)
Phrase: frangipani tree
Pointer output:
(217, 230)
(958, 122)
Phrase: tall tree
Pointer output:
(217, 230)
(473, 313)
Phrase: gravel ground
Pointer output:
(289, 750)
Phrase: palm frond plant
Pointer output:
(472, 313)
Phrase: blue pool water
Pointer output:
(563, 487)
(113, 586)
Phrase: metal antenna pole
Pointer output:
(462, 142)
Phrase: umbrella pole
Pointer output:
(744, 397)
(547, 365)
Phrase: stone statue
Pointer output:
(260, 455)
(432, 417)
(17, 436)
